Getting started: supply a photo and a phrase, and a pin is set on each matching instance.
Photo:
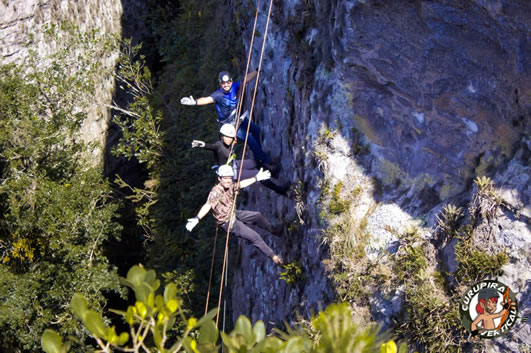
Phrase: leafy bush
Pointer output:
(153, 316)
(432, 321)
(293, 273)
(475, 263)
(56, 209)
(449, 219)
(485, 200)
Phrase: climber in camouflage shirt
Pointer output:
(220, 201)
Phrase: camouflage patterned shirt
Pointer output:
(221, 202)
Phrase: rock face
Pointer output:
(21, 19)
(409, 101)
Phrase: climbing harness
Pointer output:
(238, 112)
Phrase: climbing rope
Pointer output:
(242, 93)
(211, 270)
(233, 207)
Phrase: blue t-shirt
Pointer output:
(226, 102)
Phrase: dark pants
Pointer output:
(250, 169)
(253, 140)
(241, 230)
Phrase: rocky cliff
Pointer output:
(22, 26)
(382, 113)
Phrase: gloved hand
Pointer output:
(263, 175)
(188, 101)
(197, 143)
(192, 222)
(244, 115)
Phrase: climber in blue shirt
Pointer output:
(226, 99)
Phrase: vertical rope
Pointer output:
(242, 92)
(211, 270)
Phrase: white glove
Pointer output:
(197, 143)
(188, 101)
(244, 115)
(263, 175)
(192, 222)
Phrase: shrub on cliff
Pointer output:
(56, 210)
(153, 315)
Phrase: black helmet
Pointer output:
(224, 76)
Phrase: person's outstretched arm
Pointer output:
(199, 101)
(261, 175)
(192, 222)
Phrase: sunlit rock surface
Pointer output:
(23, 22)
(437, 92)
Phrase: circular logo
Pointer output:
(488, 309)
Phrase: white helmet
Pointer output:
(228, 130)
(225, 171)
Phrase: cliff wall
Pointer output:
(395, 107)
(22, 26)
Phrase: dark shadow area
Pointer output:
(184, 176)
(129, 250)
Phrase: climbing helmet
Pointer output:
(224, 76)
(228, 130)
(225, 171)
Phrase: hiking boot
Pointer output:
(277, 260)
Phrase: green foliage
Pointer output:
(410, 234)
(325, 189)
(433, 321)
(449, 219)
(431, 318)
(350, 288)
(248, 338)
(193, 40)
(486, 199)
(153, 315)
(321, 158)
(410, 262)
(293, 273)
(51, 342)
(483, 183)
(338, 205)
(140, 122)
(56, 210)
(474, 263)
(326, 136)
(337, 332)
(141, 136)
(347, 238)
